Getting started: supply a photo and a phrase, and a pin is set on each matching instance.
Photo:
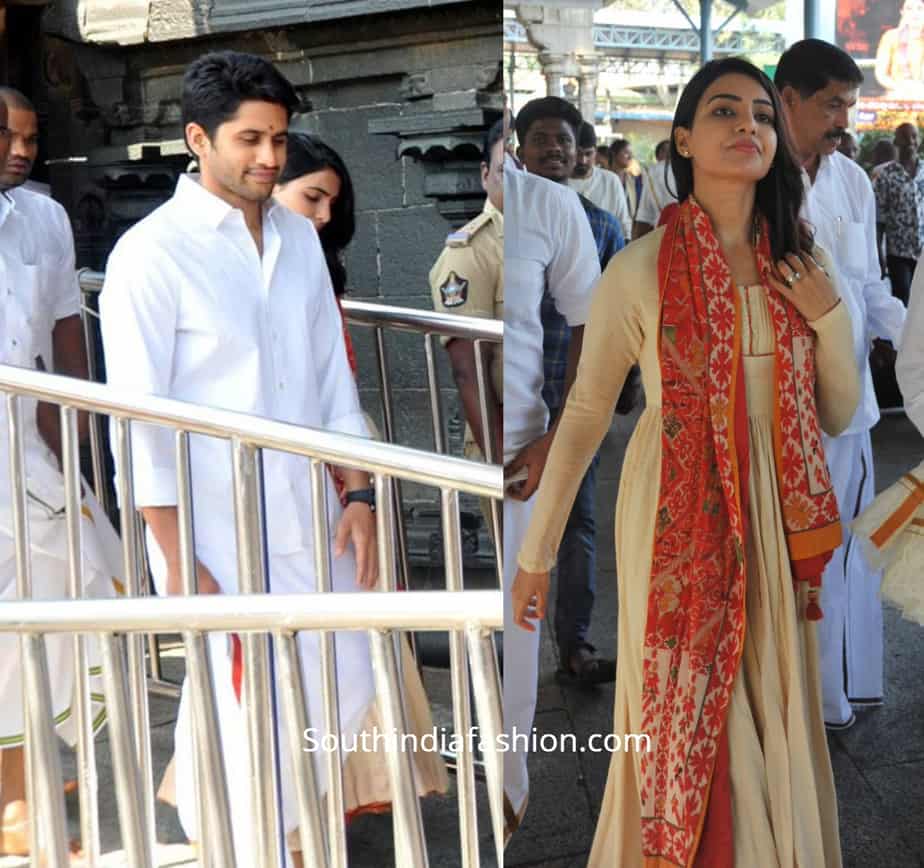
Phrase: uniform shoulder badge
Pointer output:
(463, 237)
(454, 290)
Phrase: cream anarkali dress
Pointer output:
(783, 798)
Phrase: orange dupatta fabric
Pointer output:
(694, 633)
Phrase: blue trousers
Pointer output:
(577, 566)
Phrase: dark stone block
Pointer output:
(371, 160)
(362, 258)
(411, 241)
(416, 177)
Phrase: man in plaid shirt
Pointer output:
(547, 133)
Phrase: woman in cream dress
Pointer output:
(729, 145)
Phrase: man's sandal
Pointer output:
(584, 666)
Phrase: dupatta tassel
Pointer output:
(813, 609)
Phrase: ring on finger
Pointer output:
(795, 276)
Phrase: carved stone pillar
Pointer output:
(587, 95)
(562, 30)
(556, 68)
(553, 82)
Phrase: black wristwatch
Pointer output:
(362, 495)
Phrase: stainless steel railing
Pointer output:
(118, 624)
(382, 319)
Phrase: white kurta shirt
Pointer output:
(658, 192)
(32, 296)
(547, 245)
(910, 365)
(47, 239)
(605, 190)
(841, 209)
(191, 311)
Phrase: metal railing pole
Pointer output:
(311, 828)
(95, 423)
(497, 532)
(433, 390)
(136, 664)
(486, 681)
(336, 824)
(216, 843)
(461, 705)
(42, 762)
(257, 692)
(410, 843)
(23, 588)
(388, 423)
(87, 781)
(47, 810)
(214, 808)
(130, 796)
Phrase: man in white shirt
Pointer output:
(39, 327)
(819, 84)
(658, 191)
(909, 367)
(601, 186)
(221, 297)
(547, 245)
(62, 347)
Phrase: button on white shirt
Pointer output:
(547, 244)
(841, 209)
(189, 310)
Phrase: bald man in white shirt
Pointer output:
(61, 346)
(40, 327)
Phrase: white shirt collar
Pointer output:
(7, 206)
(206, 206)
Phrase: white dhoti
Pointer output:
(102, 564)
(850, 633)
(521, 664)
(289, 574)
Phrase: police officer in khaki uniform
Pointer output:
(468, 279)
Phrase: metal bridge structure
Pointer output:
(621, 44)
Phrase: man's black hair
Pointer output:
(662, 147)
(587, 136)
(215, 85)
(619, 145)
(811, 65)
(547, 107)
(491, 138)
(16, 99)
